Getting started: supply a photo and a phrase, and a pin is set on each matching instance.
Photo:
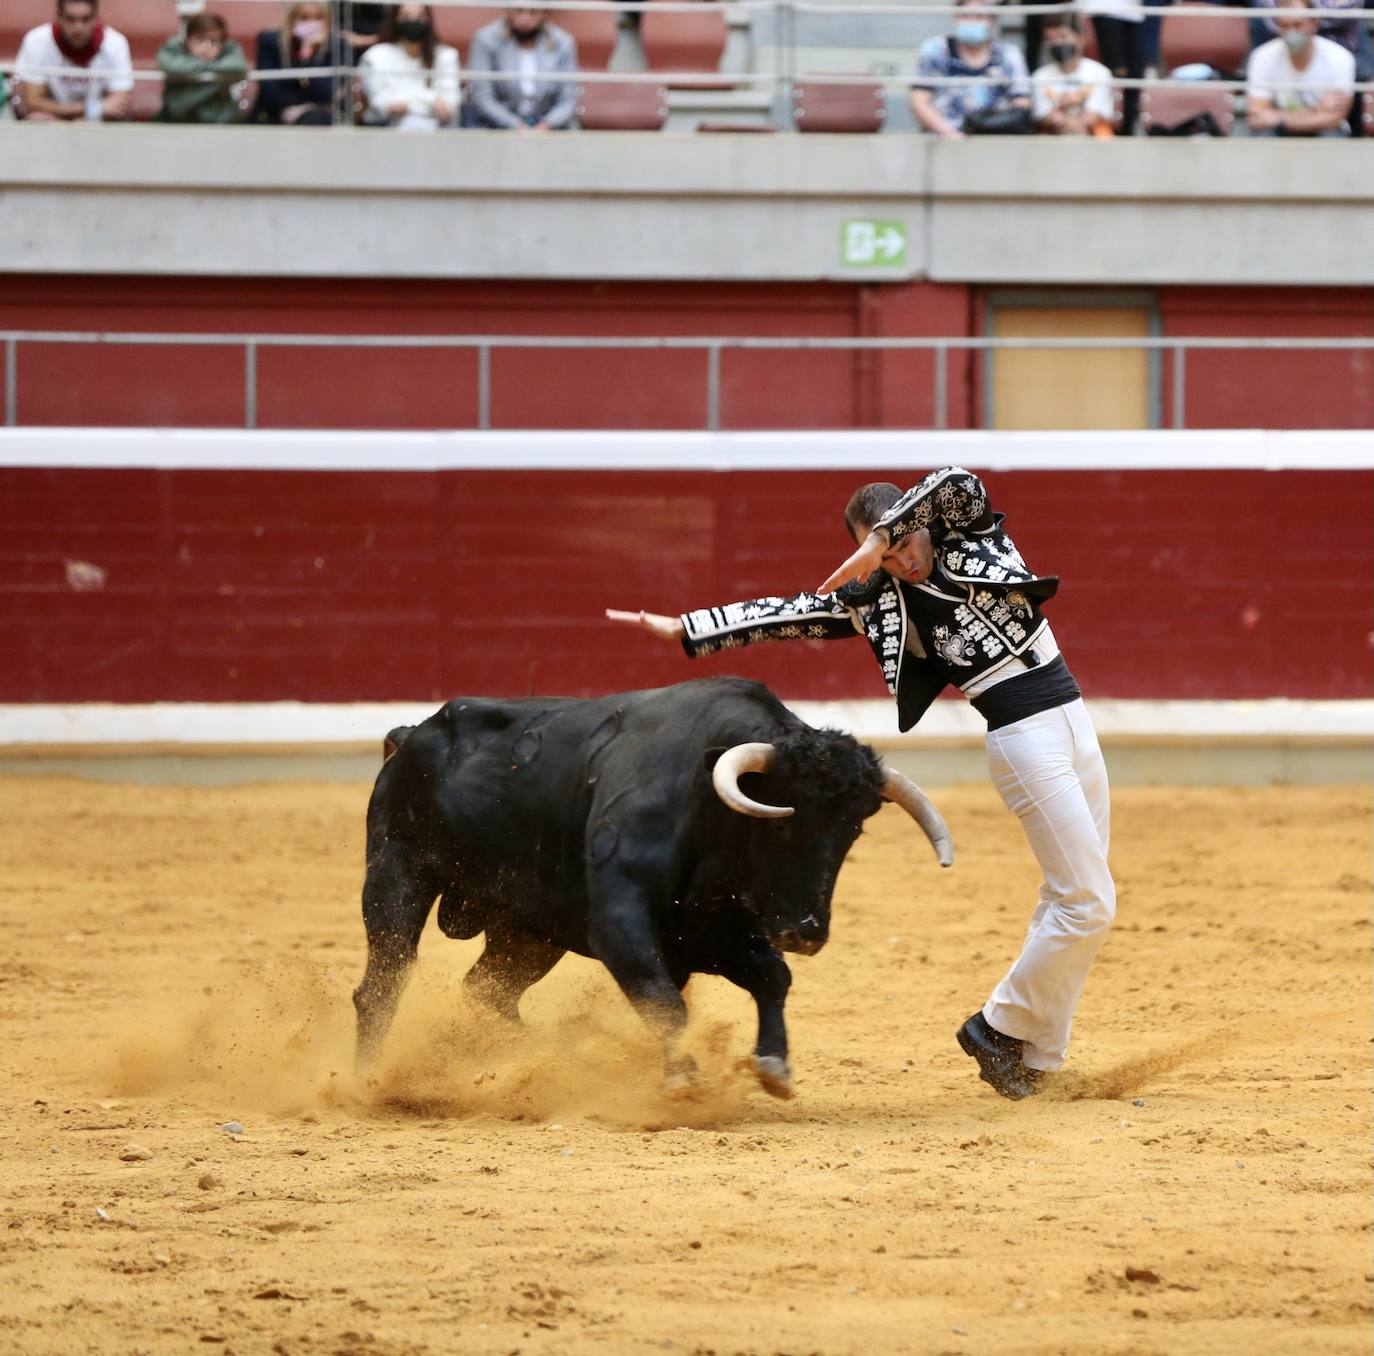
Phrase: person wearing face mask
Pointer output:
(997, 97)
(1299, 84)
(517, 51)
(305, 38)
(1071, 93)
(944, 599)
(410, 78)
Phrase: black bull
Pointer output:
(690, 829)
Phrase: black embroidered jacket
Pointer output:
(979, 609)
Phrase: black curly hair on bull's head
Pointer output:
(830, 768)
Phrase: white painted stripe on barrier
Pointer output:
(267, 724)
(890, 449)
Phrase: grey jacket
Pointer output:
(496, 103)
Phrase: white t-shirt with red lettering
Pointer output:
(40, 62)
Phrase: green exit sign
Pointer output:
(873, 244)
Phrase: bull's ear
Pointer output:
(711, 757)
(389, 746)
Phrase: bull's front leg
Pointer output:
(751, 962)
(622, 935)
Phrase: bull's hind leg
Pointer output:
(396, 901)
(508, 965)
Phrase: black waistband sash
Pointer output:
(1038, 689)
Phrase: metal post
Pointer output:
(484, 386)
(713, 388)
(941, 387)
(250, 384)
(787, 31)
(11, 383)
(1180, 388)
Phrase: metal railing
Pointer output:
(785, 75)
(714, 347)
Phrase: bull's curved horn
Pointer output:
(919, 806)
(731, 766)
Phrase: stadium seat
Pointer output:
(146, 23)
(1214, 39)
(596, 32)
(852, 107)
(682, 44)
(1170, 107)
(622, 105)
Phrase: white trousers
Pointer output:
(1049, 771)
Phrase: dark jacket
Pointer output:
(275, 96)
(985, 601)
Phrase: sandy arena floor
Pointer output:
(178, 958)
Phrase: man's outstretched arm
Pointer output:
(803, 616)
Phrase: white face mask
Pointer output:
(1297, 42)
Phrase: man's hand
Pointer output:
(665, 628)
(860, 565)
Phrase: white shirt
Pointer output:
(392, 76)
(111, 69)
(1049, 85)
(528, 58)
(1331, 70)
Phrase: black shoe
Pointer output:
(999, 1058)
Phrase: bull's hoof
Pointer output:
(682, 1076)
(774, 1075)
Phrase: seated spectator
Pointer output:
(522, 46)
(973, 49)
(1072, 94)
(1352, 33)
(200, 71)
(1319, 72)
(75, 68)
(410, 78)
(305, 38)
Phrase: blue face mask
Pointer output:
(972, 32)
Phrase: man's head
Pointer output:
(526, 23)
(1297, 27)
(1062, 37)
(973, 25)
(206, 35)
(912, 558)
(77, 20)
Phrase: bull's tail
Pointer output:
(394, 739)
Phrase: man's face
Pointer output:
(1294, 21)
(524, 22)
(911, 559)
(1058, 40)
(76, 19)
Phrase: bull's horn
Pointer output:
(731, 766)
(919, 806)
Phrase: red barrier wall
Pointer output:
(324, 388)
(340, 586)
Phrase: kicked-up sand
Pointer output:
(1197, 1181)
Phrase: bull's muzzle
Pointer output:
(804, 937)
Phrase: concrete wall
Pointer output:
(267, 202)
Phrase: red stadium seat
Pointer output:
(682, 44)
(622, 105)
(1170, 107)
(859, 106)
(1213, 38)
(146, 23)
(595, 31)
